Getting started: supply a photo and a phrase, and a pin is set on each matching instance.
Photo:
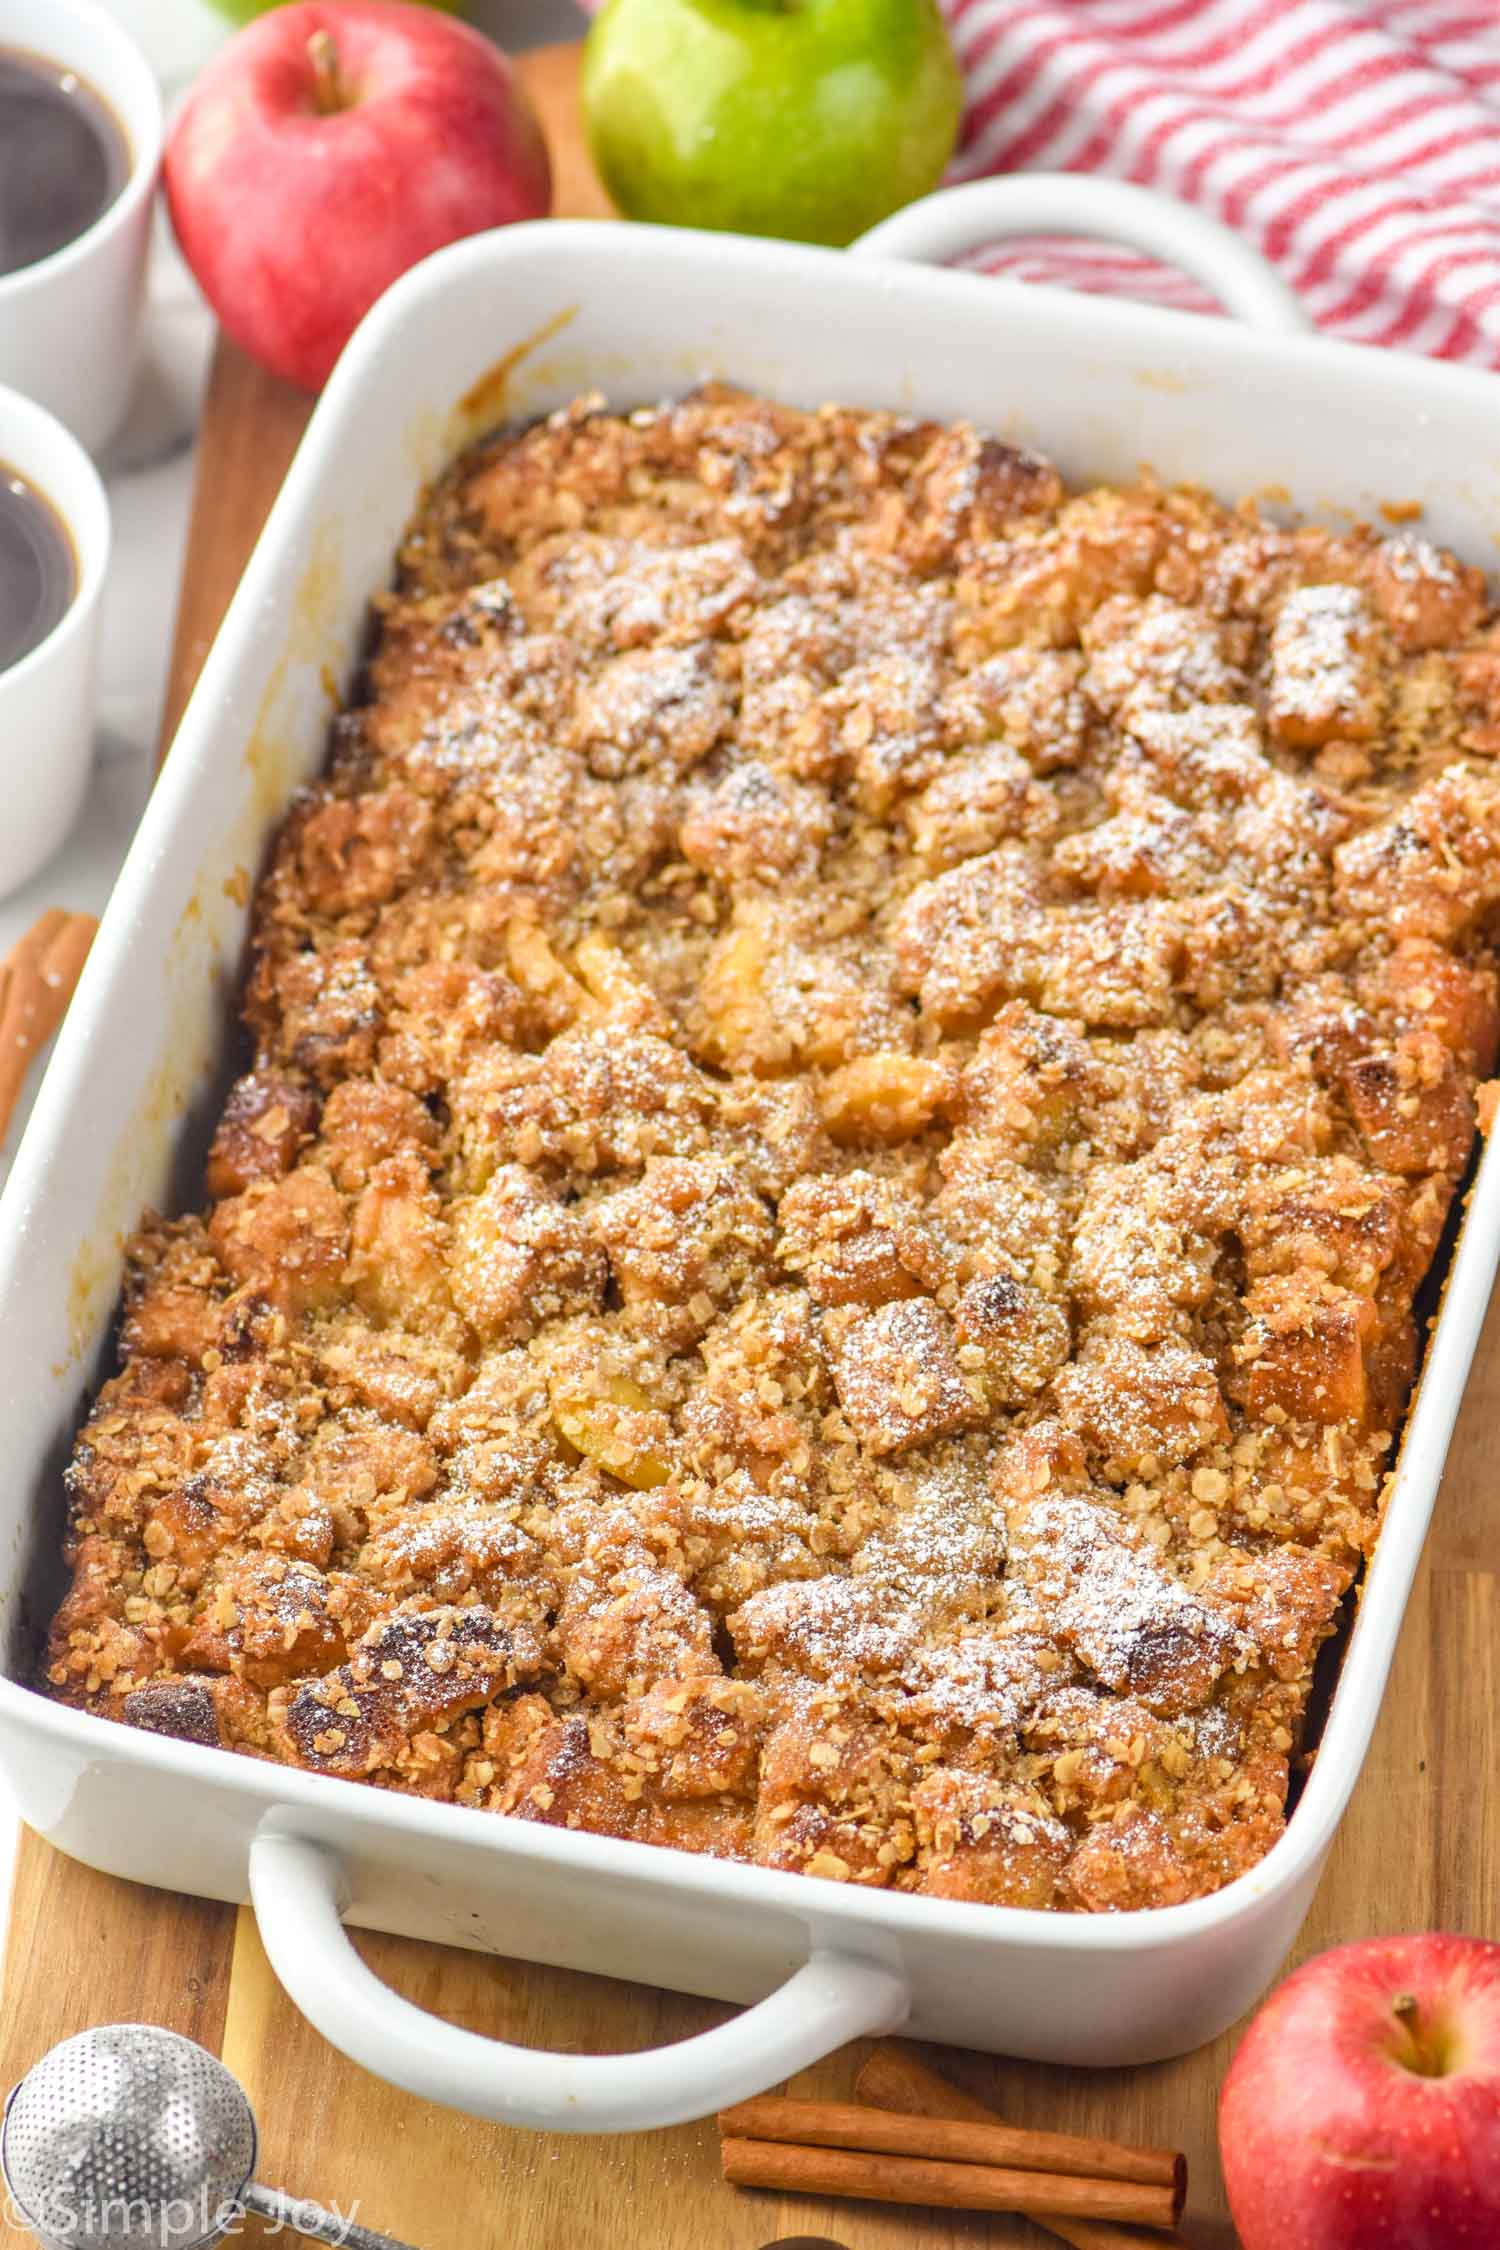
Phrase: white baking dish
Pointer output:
(638, 313)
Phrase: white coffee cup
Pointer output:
(70, 325)
(47, 698)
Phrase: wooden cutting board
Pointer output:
(1419, 1848)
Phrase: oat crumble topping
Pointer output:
(856, 1064)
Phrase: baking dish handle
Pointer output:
(297, 1887)
(964, 218)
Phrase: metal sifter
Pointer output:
(130, 2137)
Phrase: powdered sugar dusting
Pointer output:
(853, 1064)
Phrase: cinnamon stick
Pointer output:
(894, 2132)
(37, 978)
(797, 2170)
(894, 2078)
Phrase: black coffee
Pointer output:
(38, 569)
(63, 157)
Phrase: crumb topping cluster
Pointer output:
(856, 1065)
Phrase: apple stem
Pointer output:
(1426, 2051)
(329, 90)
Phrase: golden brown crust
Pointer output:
(857, 1063)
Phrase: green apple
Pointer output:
(810, 119)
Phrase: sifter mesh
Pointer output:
(128, 2137)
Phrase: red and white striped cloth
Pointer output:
(1356, 142)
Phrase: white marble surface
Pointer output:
(149, 474)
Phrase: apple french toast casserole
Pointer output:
(855, 1067)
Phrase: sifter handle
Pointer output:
(314, 2219)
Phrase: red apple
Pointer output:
(325, 150)
(1362, 2111)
